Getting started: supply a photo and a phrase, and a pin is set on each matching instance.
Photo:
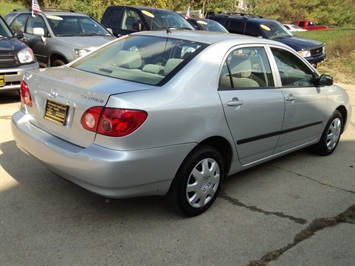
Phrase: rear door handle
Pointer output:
(235, 102)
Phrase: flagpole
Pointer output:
(33, 15)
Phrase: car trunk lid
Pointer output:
(60, 96)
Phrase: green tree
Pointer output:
(330, 12)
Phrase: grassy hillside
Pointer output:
(339, 46)
(6, 7)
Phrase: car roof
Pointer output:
(53, 13)
(243, 17)
(209, 37)
(203, 19)
(143, 8)
(61, 13)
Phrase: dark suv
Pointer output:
(312, 51)
(15, 58)
(58, 38)
(124, 20)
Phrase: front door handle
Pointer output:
(291, 98)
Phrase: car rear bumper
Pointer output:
(107, 172)
(13, 76)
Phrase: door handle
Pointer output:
(291, 98)
(235, 102)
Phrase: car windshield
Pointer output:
(161, 19)
(275, 30)
(75, 26)
(144, 59)
(211, 25)
(4, 30)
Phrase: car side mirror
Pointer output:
(19, 34)
(325, 80)
(38, 32)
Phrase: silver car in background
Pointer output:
(175, 112)
(58, 38)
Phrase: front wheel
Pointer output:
(198, 181)
(58, 62)
(331, 135)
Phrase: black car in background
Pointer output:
(313, 51)
(15, 58)
(124, 20)
(206, 24)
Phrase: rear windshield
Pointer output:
(144, 59)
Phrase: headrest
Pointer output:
(241, 67)
(128, 59)
(152, 68)
(171, 64)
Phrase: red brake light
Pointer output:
(112, 122)
(25, 94)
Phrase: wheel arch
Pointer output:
(223, 146)
(344, 114)
(56, 56)
(179, 195)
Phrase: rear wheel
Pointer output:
(198, 181)
(58, 62)
(331, 135)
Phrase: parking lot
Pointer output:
(296, 210)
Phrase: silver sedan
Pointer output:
(174, 113)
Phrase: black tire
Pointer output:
(198, 181)
(58, 62)
(331, 135)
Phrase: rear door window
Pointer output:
(236, 26)
(246, 68)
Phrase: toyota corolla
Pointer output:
(175, 112)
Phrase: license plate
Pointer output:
(56, 112)
(2, 80)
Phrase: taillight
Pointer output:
(25, 94)
(112, 122)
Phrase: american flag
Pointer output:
(35, 7)
(187, 16)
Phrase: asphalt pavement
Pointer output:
(295, 210)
